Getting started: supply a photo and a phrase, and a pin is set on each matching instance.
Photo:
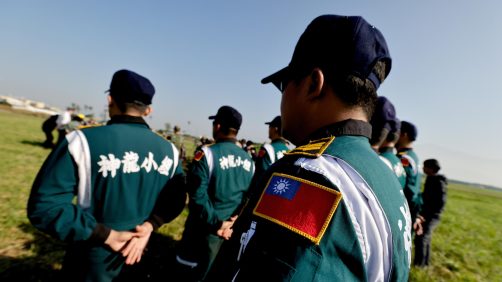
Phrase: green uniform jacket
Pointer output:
(329, 210)
(413, 180)
(116, 172)
(219, 177)
(268, 154)
(394, 163)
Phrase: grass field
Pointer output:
(467, 245)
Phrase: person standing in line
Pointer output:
(179, 141)
(251, 150)
(219, 177)
(434, 201)
(385, 133)
(271, 152)
(387, 151)
(410, 161)
(330, 209)
(117, 173)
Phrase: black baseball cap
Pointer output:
(342, 45)
(228, 116)
(410, 129)
(128, 86)
(276, 122)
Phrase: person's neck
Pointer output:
(225, 137)
(129, 112)
(274, 137)
(332, 110)
(339, 118)
(388, 145)
(407, 146)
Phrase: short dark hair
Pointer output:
(378, 135)
(124, 106)
(354, 91)
(433, 164)
(225, 129)
(392, 137)
(409, 129)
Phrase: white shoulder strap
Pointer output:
(270, 151)
(79, 150)
(368, 217)
(176, 157)
(387, 162)
(209, 157)
(412, 163)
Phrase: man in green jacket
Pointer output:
(117, 173)
(385, 133)
(329, 210)
(219, 177)
(273, 151)
(410, 161)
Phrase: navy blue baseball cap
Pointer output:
(385, 115)
(342, 45)
(228, 116)
(383, 121)
(128, 86)
(276, 122)
(410, 129)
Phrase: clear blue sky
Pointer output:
(446, 76)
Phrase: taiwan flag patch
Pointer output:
(299, 205)
(198, 155)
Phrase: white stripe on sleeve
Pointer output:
(209, 158)
(79, 150)
(368, 218)
(270, 151)
(176, 156)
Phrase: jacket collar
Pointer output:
(345, 127)
(127, 119)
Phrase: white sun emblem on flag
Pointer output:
(281, 186)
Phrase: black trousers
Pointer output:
(203, 251)
(423, 243)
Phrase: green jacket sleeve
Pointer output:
(411, 188)
(50, 206)
(263, 161)
(201, 205)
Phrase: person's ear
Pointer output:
(217, 126)
(148, 111)
(110, 100)
(316, 82)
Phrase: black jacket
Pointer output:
(434, 196)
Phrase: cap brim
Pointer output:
(276, 78)
(212, 117)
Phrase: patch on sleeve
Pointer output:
(299, 205)
(262, 152)
(198, 155)
(408, 161)
(313, 148)
(405, 162)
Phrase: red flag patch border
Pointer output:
(327, 220)
(198, 155)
